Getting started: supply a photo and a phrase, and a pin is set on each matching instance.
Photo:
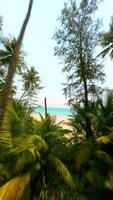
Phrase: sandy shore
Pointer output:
(59, 118)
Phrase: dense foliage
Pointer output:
(12, 61)
(40, 160)
(76, 39)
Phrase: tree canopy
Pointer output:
(76, 38)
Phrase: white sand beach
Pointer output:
(59, 118)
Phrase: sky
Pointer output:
(39, 45)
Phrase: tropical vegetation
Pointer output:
(39, 159)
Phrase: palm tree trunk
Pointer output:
(22, 32)
(45, 106)
(12, 68)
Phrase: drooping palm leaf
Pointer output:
(7, 52)
(61, 170)
(5, 141)
(28, 143)
(14, 189)
(105, 157)
(105, 139)
(83, 154)
(107, 41)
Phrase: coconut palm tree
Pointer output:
(5, 57)
(100, 114)
(36, 166)
(104, 116)
(31, 82)
(12, 67)
(78, 118)
(7, 51)
(31, 159)
(32, 162)
(18, 118)
(13, 89)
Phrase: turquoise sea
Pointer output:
(54, 111)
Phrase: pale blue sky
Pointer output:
(39, 45)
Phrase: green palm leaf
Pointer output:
(61, 170)
(83, 154)
(105, 139)
(107, 41)
(105, 157)
(14, 189)
(4, 173)
(5, 140)
(26, 143)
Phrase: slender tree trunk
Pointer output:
(45, 106)
(86, 103)
(22, 32)
(12, 68)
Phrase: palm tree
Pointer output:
(100, 114)
(5, 57)
(13, 89)
(12, 67)
(104, 116)
(7, 52)
(78, 118)
(35, 165)
(18, 118)
(31, 82)
(31, 158)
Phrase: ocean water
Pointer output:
(54, 111)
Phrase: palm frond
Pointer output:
(4, 172)
(14, 189)
(5, 140)
(61, 170)
(82, 155)
(105, 157)
(106, 51)
(28, 143)
(105, 139)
